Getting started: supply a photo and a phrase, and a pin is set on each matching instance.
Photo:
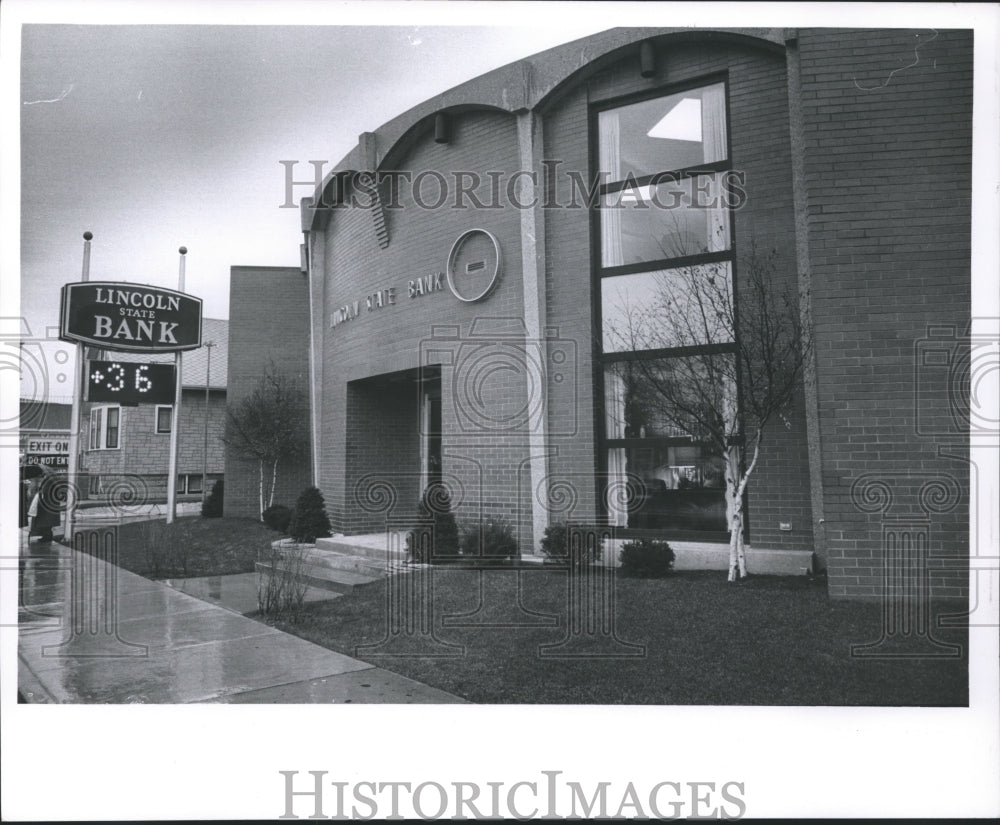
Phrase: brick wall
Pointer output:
(888, 172)
(482, 464)
(268, 325)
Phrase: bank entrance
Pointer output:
(393, 447)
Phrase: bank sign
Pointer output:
(130, 317)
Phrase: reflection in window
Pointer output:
(680, 488)
(683, 307)
(675, 403)
(685, 398)
(673, 132)
(671, 219)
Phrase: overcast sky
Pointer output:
(157, 136)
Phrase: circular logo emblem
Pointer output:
(473, 265)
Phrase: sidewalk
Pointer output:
(93, 633)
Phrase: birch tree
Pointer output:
(741, 366)
(267, 426)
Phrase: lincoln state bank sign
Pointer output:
(131, 317)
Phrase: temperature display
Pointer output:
(125, 382)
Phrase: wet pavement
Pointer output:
(91, 632)
(236, 592)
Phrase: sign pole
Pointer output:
(73, 470)
(175, 415)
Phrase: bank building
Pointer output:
(468, 270)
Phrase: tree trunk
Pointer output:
(734, 514)
(274, 482)
(734, 507)
(260, 487)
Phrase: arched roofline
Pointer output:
(534, 83)
(425, 125)
(768, 40)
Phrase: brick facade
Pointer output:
(888, 172)
(872, 230)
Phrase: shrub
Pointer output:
(555, 547)
(647, 558)
(281, 590)
(277, 517)
(167, 547)
(492, 541)
(434, 538)
(309, 520)
(212, 507)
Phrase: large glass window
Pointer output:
(673, 132)
(664, 219)
(666, 303)
(697, 300)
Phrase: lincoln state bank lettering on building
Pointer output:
(132, 317)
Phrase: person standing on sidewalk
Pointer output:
(43, 509)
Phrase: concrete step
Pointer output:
(326, 578)
(370, 547)
(343, 561)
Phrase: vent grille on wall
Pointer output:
(378, 217)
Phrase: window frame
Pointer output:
(602, 360)
(103, 430)
(156, 419)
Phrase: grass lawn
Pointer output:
(767, 641)
(192, 546)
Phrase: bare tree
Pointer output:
(267, 426)
(735, 367)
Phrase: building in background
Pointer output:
(453, 317)
(126, 449)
